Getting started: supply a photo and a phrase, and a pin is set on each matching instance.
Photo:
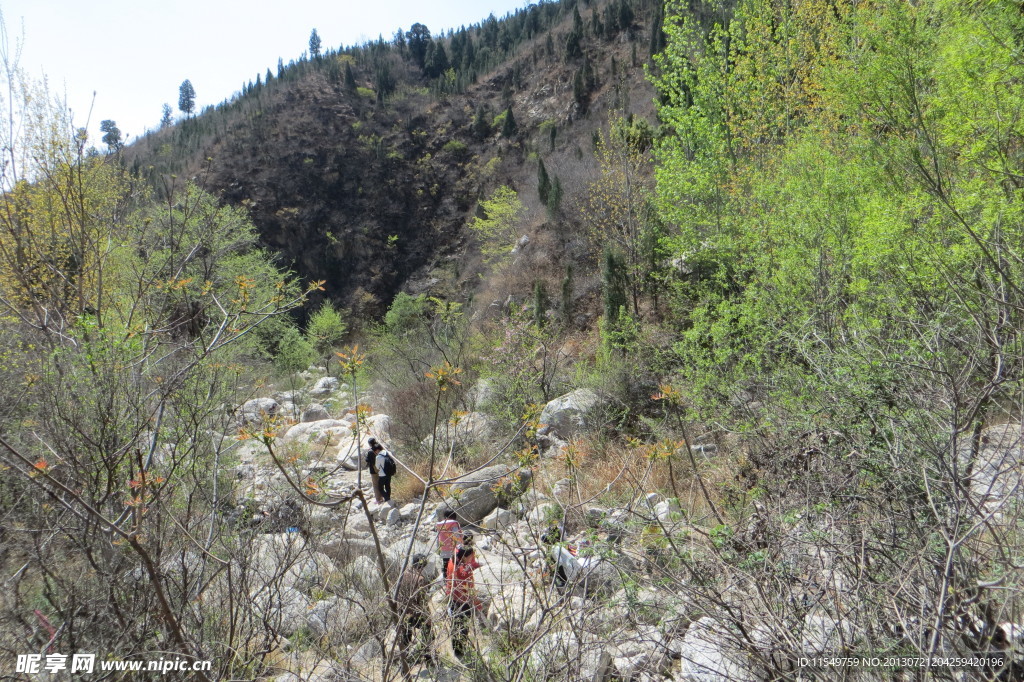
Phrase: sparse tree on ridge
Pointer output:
(166, 119)
(187, 97)
(314, 45)
(111, 135)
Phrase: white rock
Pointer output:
(499, 519)
(571, 413)
(324, 387)
(258, 409)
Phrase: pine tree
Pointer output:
(314, 45)
(419, 40)
(112, 135)
(613, 281)
(350, 78)
(509, 128)
(481, 127)
(543, 182)
(554, 202)
(187, 97)
(574, 41)
(566, 302)
(540, 304)
(165, 118)
(657, 43)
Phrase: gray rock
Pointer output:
(314, 412)
(483, 392)
(344, 550)
(367, 653)
(706, 655)
(571, 413)
(257, 410)
(499, 519)
(394, 517)
(476, 503)
(319, 432)
(995, 471)
(324, 387)
(503, 476)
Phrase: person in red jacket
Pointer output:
(462, 592)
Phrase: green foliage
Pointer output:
(613, 284)
(509, 128)
(325, 329)
(543, 182)
(540, 303)
(111, 135)
(456, 147)
(407, 314)
(314, 44)
(481, 127)
(294, 352)
(497, 228)
(187, 97)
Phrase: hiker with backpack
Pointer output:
(386, 468)
(449, 536)
(463, 597)
(371, 464)
(414, 604)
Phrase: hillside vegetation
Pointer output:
(705, 318)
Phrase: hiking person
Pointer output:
(386, 468)
(462, 593)
(414, 607)
(449, 536)
(371, 464)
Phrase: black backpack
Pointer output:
(389, 465)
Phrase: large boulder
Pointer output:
(570, 414)
(706, 655)
(258, 410)
(474, 427)
(314, 412)
(478, 494)
(320, 432)
(344, 550)
(324, 387)
(997, 466)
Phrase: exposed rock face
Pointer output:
(571, 413)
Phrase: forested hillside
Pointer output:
(362, 165)
(701, 322)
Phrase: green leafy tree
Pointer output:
(497, 228)
(325, 330)
(294, 353)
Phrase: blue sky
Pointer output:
(134, 54)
